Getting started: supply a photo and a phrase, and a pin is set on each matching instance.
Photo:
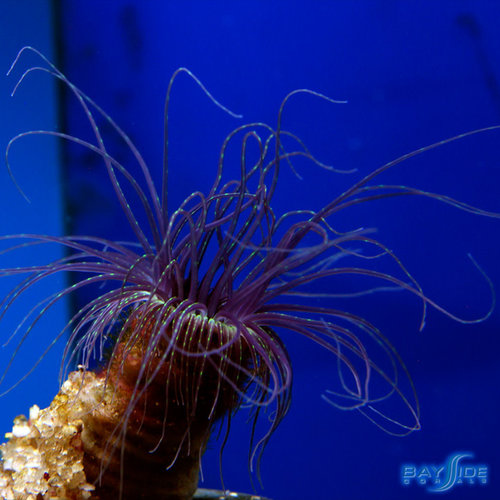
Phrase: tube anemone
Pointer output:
(186, 329)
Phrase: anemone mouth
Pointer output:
(209, 362)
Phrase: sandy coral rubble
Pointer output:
(43, 457)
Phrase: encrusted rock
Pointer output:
(43, 457)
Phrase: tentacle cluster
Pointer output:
(210, 285)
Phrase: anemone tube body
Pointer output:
(191, 309)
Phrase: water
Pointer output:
(412, 76)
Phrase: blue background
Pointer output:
(36, 166)
(413, 73)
